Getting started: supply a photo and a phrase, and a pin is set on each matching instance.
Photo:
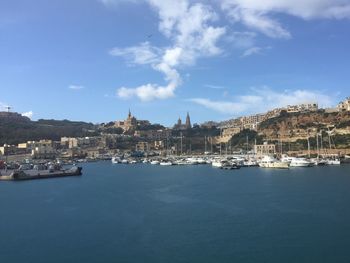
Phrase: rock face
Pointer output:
(294, 126)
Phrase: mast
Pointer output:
(318, 150)
(247, 143)
(329, 139)
(181, 143)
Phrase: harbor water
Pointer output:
(149, 213)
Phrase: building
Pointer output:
(142, 147)
(344, 105)
(264, 149)
(306, 107)
(153, 134)
(131, 123)
(8, 149)
(186, 126)
(79, 142)
(44, 150)
(158, 145)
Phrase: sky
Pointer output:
(93, 60)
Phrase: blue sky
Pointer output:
(92, 60)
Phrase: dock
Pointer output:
(18, 175)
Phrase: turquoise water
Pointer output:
(145, 213)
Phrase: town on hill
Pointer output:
(296, 129)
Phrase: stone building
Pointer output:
(264, 149)
(131, 123)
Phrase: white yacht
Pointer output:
(333, 162)
(271, 162)
(216, 163)
(319, 161)
(250, 163)
(166, 163)
(154, 162)
(297, 161)
(116, 160)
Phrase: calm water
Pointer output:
(145, 213)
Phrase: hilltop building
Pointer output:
(305, 107)
(344, 105)
(186, 126)
(131, 123)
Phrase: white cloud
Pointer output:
(141, 54)
(224, 107)
(192, 27)
(259, 15)
(76, 87)
(111, 3)
(254, 51)
(214, 86)
(28, 114)
(189, 28)
(242, 40)
(264, 99)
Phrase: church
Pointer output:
(131, 123)
(187, 125)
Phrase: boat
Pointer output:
(166, 163)
(124, 161)
(250, 163)
(229, 166)
(333, 162)
(271, 162)
(297, 161)
(346, 159)
(154, 162)
(116, 160)
(319, 162)
(192, 161)
(216, 163)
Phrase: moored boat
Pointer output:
(270, 162)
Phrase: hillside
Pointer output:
(297, 127)
(13, 132)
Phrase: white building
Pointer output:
(305, 107)
(344, 105)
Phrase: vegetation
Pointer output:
(240, 140)
(17, 132)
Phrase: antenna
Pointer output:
(8, 108)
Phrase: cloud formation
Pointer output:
(188, 27)
(264, 99)
(28, 114)
(260, 15)
(76, 87)
(193, 32)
